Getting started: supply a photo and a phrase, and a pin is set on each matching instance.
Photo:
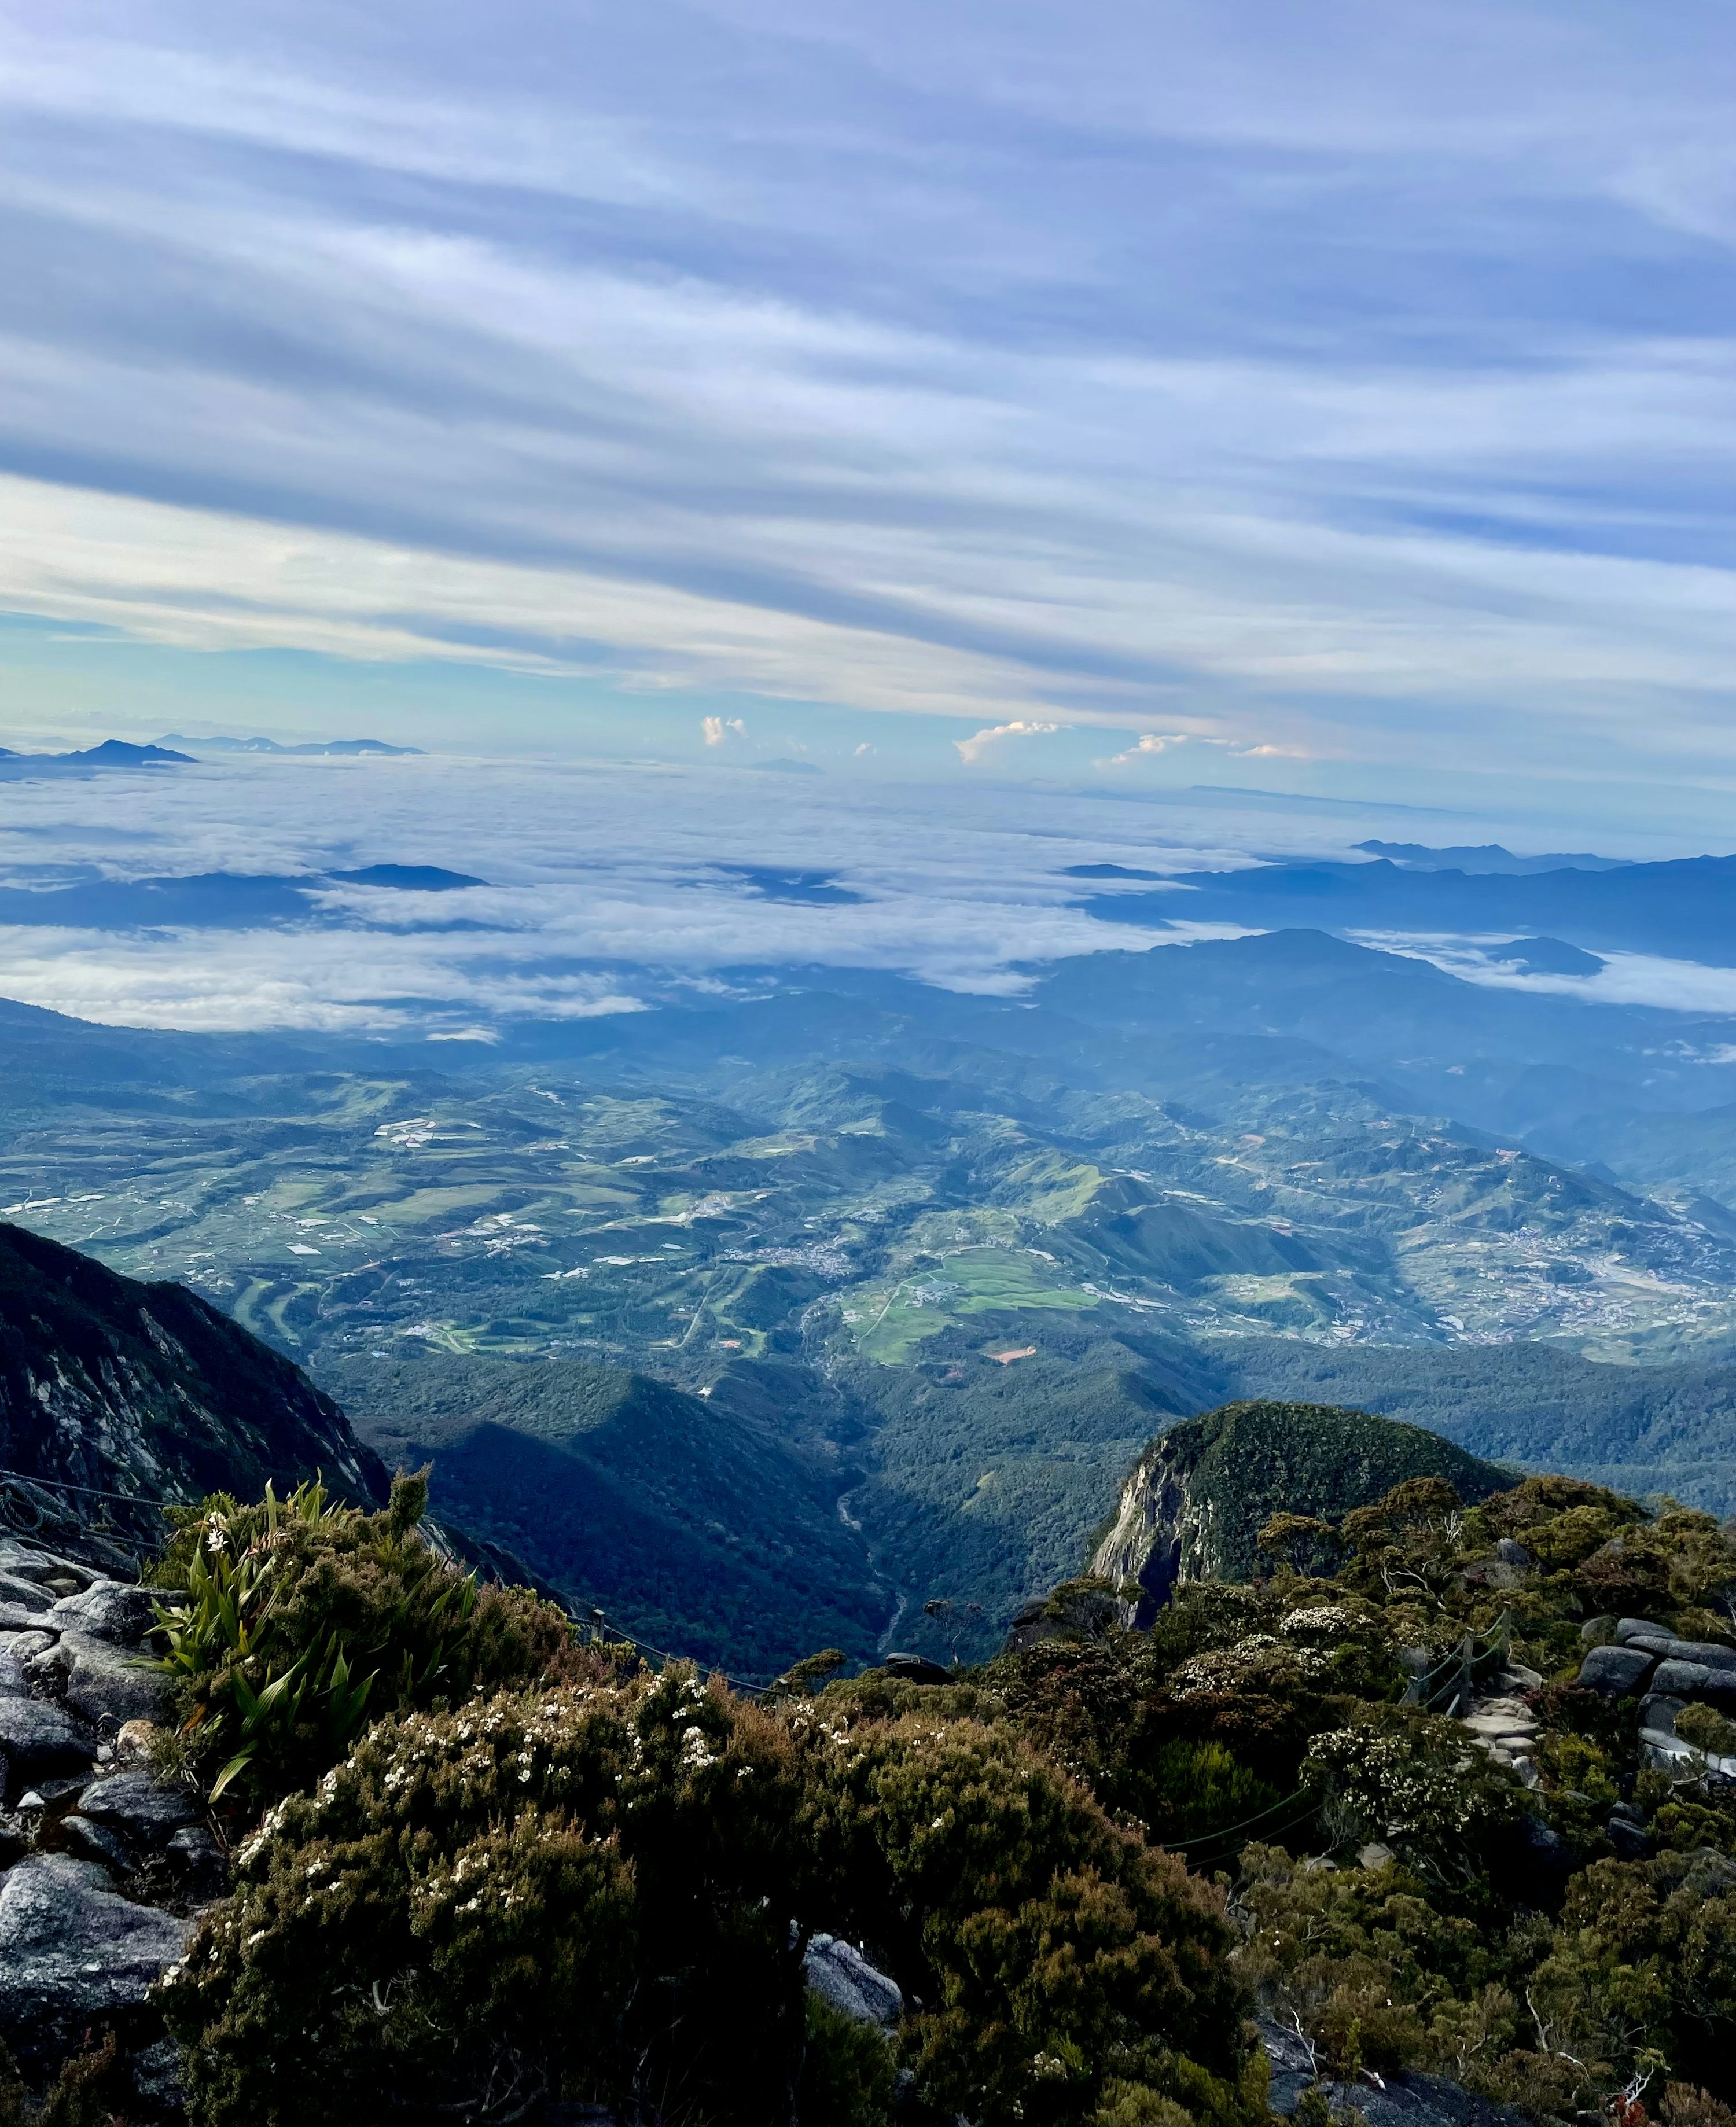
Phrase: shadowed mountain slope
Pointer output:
(707, 1525)
(124, 1386)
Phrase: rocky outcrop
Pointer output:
(1406, 2098)
(1616, 1671)
(73, 1952)
(103, 1863)
(1162, 1531)
(1196, 1499)
(840, 1974)
(128, 1388)
(1637, 1657)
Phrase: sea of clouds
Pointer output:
(607, 884)
(610, 887)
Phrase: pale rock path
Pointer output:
(1502, 1723)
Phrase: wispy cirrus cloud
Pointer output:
(1151, 744)
(666, 348)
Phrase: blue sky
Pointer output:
(1337, 399)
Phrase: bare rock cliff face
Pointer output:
(1161, 1532)
(1197, 1498)
(1156, 1530)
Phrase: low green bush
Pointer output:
(1051, 1950)
(587, 1893)
(849, 2074)
(600, 1891)
(298, 1621)
(598, 1888)
(1707, 1730)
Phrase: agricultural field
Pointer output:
(521, 1215)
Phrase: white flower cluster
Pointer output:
(265, 1830)
(1393, 1781)
(1259, 1662)
(696, 1752)
(1323, 1624)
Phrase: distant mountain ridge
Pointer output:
(1487, 857)
(112, 753)
(216, 900)
(1683, 909)
(330, 747)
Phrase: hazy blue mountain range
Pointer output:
(224, 900)
(310, 747)
(113, 753)
(1486, 857)
(1684, 909)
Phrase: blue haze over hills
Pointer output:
(582, 1132)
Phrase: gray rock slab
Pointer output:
(39, 1742)
(96, 1842)
(1616, 1670)
(72, 1950)
(200, 1860)
(1706, 1652)
(18, 1594)
(1686, 1679)
(17, 1651)
(1406, 2100)
(156, 2073)
(106, 1683)
(843, 1976)
(1636, 1628)
(1501, 1728)
(915, 1669)
(147, 1811)
(29, 1564)
(107, 1610)
(1631, 1841)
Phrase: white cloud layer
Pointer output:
(605, 883)
(610, 886)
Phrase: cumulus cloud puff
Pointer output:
(971, 750)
